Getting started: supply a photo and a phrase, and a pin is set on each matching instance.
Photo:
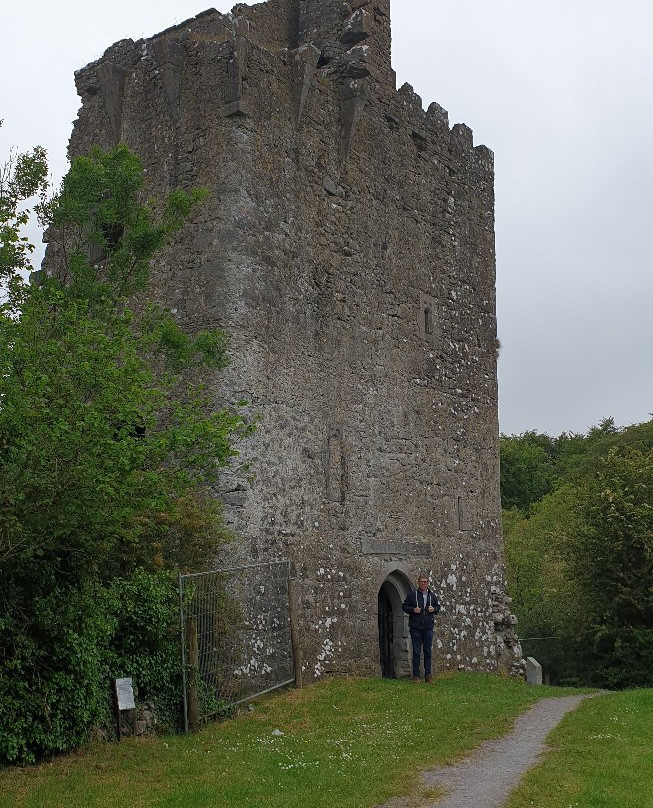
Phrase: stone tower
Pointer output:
(347, 248)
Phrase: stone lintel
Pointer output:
(413, 549)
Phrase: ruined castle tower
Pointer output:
(347, 249)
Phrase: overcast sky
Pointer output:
(560, 90)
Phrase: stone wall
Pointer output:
(347, 248)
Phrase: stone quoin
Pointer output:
(347, 249)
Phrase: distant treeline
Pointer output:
(578, 526)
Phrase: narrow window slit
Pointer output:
(428, 320)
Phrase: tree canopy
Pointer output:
(22, 177)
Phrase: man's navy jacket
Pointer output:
(425, 619)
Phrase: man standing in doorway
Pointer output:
(421, 605)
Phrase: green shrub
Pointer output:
(52, 680)
(146, 642)
(55, 680)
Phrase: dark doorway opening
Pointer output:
(393, 626)
(386, 636)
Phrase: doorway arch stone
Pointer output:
(393, 623)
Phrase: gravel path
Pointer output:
(486, 778)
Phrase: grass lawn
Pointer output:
(345, 744)
(602, 757)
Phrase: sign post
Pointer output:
(123, 697)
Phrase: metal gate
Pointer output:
(236, 637)
(386, 636)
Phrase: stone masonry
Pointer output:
(347, 248)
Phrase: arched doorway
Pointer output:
(393, 626)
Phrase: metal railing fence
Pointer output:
(235, 636)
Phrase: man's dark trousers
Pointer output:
(422, 639)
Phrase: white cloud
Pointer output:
(562, 94)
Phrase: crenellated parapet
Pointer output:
(353, 38)
(346, 44)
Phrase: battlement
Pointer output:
(347, 44)
(353, 39)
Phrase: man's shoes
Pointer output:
(429, 680)
(416, 680)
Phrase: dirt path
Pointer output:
(488, 775)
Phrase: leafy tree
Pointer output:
(108, 450)
(579, 560)
(527, 470)
(540, 577)
(613, 560)
(22, 177)
(532, 464)
(605, 428)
